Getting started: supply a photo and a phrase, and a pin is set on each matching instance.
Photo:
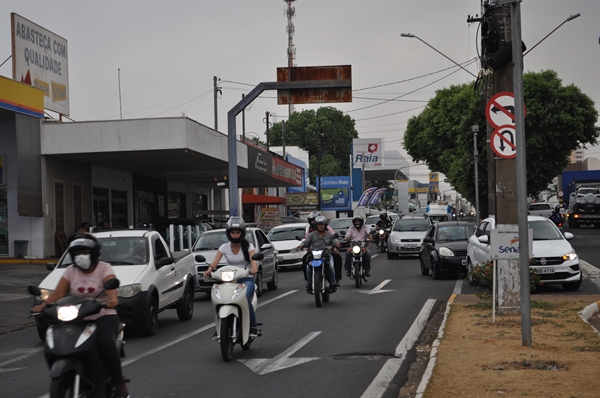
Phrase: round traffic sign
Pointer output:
(560, 194)
(503, 142)
(500, 110)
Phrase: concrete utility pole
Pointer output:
(267, 114)
(217, 91)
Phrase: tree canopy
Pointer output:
(559, 119)
(326, 131)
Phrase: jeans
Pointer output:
(366, 261)
(329, 272)
(250, 286)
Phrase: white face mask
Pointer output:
(83, 261)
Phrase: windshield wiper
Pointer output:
(118, 262)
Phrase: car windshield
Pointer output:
(279, 234)
(339, 223)
(540, 206)
(453, 233)
(439, 218)
(416, 224)
(119, 251)
(544, 230)
(585, 191)
(213, 240)
(372, 220)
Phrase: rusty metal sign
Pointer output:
(315, 94)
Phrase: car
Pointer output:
(208, 244)
(152, 278)
(372, 220)
(407, 236)
(540, 209)
(553, 257)
(340, 226)
(283, 238)
(444, 248)
(291, 220)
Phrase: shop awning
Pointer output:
(261, 199)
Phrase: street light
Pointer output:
(572, 17)
(410, 35)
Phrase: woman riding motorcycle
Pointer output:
(238, 252)
(85, 278)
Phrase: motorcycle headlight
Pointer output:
(68, 312)
(317, 254)
(129, 291)
(381, 232)
(570, 256)
(44, 293)
(444, 251)
(356, 249)
(227, 276)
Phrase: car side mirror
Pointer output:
(50, 266)
(568, 235)
(258, 256)
(266, 246)
(484, 239)
(427, 239)
(164, 261)
(200, 258)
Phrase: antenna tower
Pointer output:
(290, 12)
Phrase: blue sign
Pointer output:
(335, 193)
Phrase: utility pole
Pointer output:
(283, 137)
(217, 91)
(268, 122)
(243, 122)
(476, 155)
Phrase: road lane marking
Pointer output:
(377, 289)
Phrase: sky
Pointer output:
(149, 59)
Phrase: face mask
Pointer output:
(357, 226)
(83, 261)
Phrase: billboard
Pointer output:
(335, 193)
(301, 201)
(40, 59)
(367, 151)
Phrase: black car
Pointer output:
(444, 248)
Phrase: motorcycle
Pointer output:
(71, 349)
(232, 314)
(358, 272)
(383, 236)
(557, 219)
(318, 259)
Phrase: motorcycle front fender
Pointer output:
(226, 310)
(64, 365)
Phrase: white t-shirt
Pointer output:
(236, 260)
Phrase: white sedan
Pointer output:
(553, 257)
(283, 237)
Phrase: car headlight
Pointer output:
(444, 251)
(44, 293)
(68, 312)
(356, 249)
(227, 276)
(570, 256)
(129, 291)
(395, 239)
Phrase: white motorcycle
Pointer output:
(232, 314)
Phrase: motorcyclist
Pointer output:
(238, 252)
(556, 216)
(358, 232)
(85, 278)
(382, 223)
(321, 233)
(337, 257)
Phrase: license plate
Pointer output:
(463, 262)
(411, 246)
(544, 271)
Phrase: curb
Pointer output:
(13, 261)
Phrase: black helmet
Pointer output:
(236, 224)
(557, 209)
(383, 216)
(85, 242)
(311, 218)
(358, 221)
(321, 220)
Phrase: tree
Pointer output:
(559, 119)
(326, 131)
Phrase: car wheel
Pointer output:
(185, 307)
(149, 326)
(424, 269)
(572, 285)
(274, 283)
(259, 283)
(435, 270)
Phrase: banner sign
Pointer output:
(260, 161)
(335, 193)
(377, 196)
(268, 217)
(40, 59)
(301, 201)
(364, 198)
(504, 242)
(367, 151)
(287, 172)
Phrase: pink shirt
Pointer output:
(89, 285)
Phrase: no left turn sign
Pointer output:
(504, 142)
(500, 110)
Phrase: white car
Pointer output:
(407, 236)
(553, 257)
(283, 238)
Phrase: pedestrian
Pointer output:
(84, 229)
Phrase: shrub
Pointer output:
(482, 274)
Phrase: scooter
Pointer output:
(358, 272)
(232, 314)
(70, 346)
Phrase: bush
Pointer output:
(482, 274)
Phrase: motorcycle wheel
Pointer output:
(317, 285)
(357, 274)
(62, 386)
(226, 334)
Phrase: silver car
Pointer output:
(340, 226)
(209, 242)
(407, 236)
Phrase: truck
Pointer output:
(581, 192)
(152, 278)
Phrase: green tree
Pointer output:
(559, 119)
(326, 132)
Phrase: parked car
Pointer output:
(208, 244)
(340, 226)
(407, 235)
(283, 238)
(553, 257)
(444, 248)
(152, 278)
(540, 209)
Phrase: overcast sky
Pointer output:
(169, 51)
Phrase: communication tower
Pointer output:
(290, 12)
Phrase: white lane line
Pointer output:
(389, 370)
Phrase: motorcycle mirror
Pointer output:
(200, 258)
(258, 256)
(33, 290)
(298, 237)
(112, 284)
(335, 236)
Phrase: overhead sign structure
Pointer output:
(40, 59)
(314, 95)
(500, 114)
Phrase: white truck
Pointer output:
(584, 206)
(152, 278)
(539, 209)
